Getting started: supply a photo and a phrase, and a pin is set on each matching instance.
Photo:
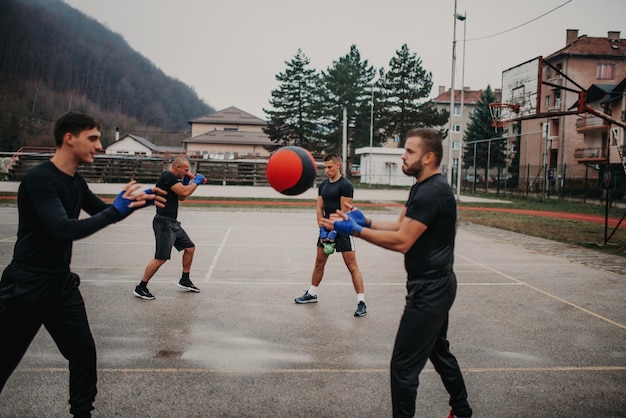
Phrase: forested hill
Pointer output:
(53, 58)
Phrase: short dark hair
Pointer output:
(431, 142)
(332, 156)
(74, 123)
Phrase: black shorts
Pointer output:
(343, 243)
(168, 233)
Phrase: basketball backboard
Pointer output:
(520, 87)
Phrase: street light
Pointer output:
(460, 159)
(450, 129)
(369, 163)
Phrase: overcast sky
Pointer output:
(230, 51)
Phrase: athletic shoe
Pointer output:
(188, 286)
(143, 293)
(361, 309)
(306, 298)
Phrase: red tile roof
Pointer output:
(469, 97)
(585, 45)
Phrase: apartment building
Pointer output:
(571, 148)
(459, 121)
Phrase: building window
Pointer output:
(231, 129)
(605, 72)
(457, 109)
(456, 145)
(456, 128)
(548, 102)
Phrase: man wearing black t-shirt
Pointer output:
(179, 184)
(37, 287)
(425, 234)
(334, 193)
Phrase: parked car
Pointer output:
(355, 170)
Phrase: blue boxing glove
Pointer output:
(348, 226)
(187, 179)
(199, 179)
(122, 204)
(358, 217)
(332, 235)
(148, 201)
(323, 233)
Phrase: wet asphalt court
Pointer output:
(537, 335)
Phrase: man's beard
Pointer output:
(414, 170)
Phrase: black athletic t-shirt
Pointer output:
(49, 203)
(333, 192)
(432, 203)
(165, 181)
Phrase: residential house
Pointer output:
(227, 134)
(133, 145)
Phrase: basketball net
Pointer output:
(496, 110)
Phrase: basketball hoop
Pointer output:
(497, 112)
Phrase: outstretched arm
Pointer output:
(396, 236)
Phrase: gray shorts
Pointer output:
(168, 233)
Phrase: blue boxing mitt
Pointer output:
(347, 226)
(187, 179)
(357, 216)
(199, 179)
(122, 204)
(149, 201)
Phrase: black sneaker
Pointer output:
(361, 309)
(306, 298)
(143, 293)
(188, 286)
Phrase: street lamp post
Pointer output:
(450, 129)
(369, 163)
(460, 159)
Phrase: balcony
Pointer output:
(590, 155)
(590, 123)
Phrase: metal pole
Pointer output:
(369, 164)
(344, 145)
(460, 159)
(545, 165)
(608, 188)
(449, 172)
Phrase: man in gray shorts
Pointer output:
(179, 184)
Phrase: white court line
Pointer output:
(325, 371)
(247, 282)
(548, 294)
(217, 255)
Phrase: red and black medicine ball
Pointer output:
(291, 170)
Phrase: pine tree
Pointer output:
(488, 154)
(296, 103)
(347, 84)
(402, 88)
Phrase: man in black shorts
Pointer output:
(334, 193)
(425, 234)
(37, 287)
(179, 184)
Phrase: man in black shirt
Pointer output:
(179, 184)
(37, 287)
(425, 234)
(334, 193)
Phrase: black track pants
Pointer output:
(422, 335)
(29, 300)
